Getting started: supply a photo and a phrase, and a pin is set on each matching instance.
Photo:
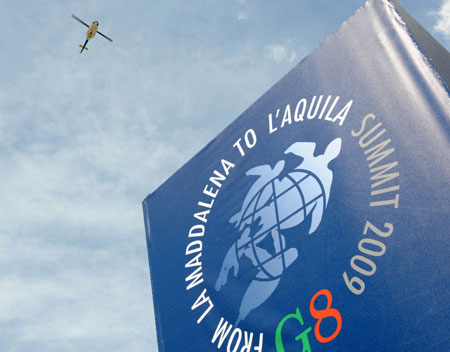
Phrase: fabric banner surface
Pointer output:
(319, 219)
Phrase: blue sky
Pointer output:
(84, 138)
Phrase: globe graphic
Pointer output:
(279, 205)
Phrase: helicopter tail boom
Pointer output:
(84, 46)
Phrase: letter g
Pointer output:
(302, 336)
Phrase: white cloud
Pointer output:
(242, 16)
(443, 19)
(60, 298)
(280, 53)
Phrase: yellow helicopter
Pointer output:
(92, 30)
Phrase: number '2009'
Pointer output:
(363, 265)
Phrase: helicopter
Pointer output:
(92, 30)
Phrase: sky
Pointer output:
(85, 137)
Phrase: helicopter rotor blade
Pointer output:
(104, 36)
(75, 17)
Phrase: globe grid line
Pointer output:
(251, 242)
(282, 193)
(277, 215)
(295, 184)
(274, 226)
(267, 231)
(274, 197)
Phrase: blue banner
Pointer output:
(318, 220)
